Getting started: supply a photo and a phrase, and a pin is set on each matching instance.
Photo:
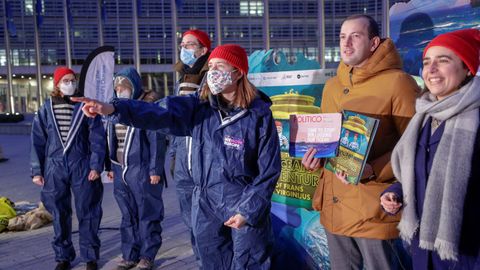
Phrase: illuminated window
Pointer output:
(29, 7)
(251, 8)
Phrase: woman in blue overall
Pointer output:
(437, 159)
(236, 158)
(137, 159)
(68, 151)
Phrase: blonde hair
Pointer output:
(123, 81)
(244, 95)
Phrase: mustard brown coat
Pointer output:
(382, 90)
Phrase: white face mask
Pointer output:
(124, 94)
(68, 89)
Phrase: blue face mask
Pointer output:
(187, 56)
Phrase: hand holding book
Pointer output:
(346, 144)
(367, 173)
(358, 132)
(310, 162)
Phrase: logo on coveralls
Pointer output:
(233, 142)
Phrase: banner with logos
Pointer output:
(294, 89)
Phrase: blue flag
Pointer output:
(139, 7)
(179, 4)
(12, 30)
(103, 11)
(38, 12)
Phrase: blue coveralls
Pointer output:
(64, 167)
(180, 152)
(235, 167)
(139, 201)
(181, 149)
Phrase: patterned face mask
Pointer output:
(218, 80)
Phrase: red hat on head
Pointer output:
(202, 37)
(59, 73)
(233, 54)
(464, 43)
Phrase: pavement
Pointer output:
(32, 249)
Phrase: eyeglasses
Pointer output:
(188, 45)
(69, 81)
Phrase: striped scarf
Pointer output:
(63, 112)
(120, 132)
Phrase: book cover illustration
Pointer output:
(357, 134)
(283, 131)
(320, 131)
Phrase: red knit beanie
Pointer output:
(59, 73)
(464, 43)
(233, 54)
(202, 37)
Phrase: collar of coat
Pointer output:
(385, 58)
(260, 105)
(201, 65)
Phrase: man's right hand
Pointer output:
(38, 180)
(310, 162)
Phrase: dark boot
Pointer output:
(145, 264)
(126, 265)
(63, 265)
(92, 265)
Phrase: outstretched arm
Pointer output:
(171, 115)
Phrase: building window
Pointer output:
(251, 8)
(28, 7)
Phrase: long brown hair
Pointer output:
(244, 95)
(56, 92)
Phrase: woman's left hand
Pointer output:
(111, 175)
(236, 221)
(390, 203)
(93, 175)
(154, 179)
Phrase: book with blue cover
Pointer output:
(357, 135)
(320, 131)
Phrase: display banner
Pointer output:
(300, 241)
(96, 76)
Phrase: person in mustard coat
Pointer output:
(369, 81)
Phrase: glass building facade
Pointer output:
(293, 26)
